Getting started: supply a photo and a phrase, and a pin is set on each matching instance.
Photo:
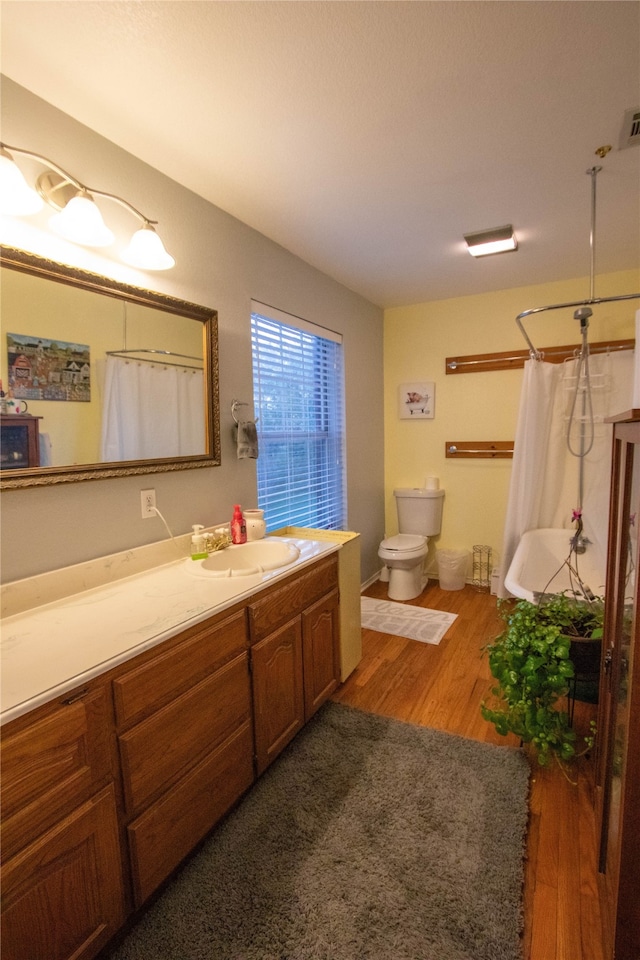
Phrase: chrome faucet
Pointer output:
(217, 540)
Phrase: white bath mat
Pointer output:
(405, 620)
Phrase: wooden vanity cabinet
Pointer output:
(60, 838)
(106, 790)
(294, 656)
(185, 738)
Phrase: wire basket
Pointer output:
(481, 571)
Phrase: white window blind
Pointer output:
(298, 388)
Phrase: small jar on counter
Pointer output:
(256, 527)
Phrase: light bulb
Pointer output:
(147, 251)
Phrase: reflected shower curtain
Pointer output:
(151, 411)
(544, 485)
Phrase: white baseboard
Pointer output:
(371, 580)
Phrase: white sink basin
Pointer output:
(246, 559)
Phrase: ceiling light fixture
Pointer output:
(497, 240)
(78, 217)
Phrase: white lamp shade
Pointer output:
(147, 251)
(17, 198)
(81, 222)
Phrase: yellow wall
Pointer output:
(476, 406)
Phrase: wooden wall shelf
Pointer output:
(515, 359)
(479, 449)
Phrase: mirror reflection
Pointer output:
(101, 379)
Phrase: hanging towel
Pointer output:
(247, 440)
(44, 442)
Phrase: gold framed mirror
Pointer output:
(116, 380)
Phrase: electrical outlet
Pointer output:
(148, 503)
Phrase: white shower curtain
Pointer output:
(151, 411)
(544, 487)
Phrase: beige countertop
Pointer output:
(56, 646)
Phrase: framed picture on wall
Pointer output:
(416, 401)
(42, 369)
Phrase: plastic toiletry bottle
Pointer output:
(238, 526)
(198, 545)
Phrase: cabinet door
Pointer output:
(62, 895)
(19, 443)
(321, 652)
(278, 698)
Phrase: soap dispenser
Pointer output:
(198, 545)
(238, 526)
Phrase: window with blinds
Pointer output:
(298, 385)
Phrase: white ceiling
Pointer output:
(367, 137)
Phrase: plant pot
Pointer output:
(586, 654)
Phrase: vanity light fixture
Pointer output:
(78, 217)
(497, 240)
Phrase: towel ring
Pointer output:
(239, 403)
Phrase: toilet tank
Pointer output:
(419, 510)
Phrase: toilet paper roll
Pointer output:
(433, 483)
(636, 365)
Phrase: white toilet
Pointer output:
(419, 517)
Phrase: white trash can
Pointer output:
(452, 568)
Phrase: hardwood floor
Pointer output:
(442, 687)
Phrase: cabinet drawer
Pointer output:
(170, 828)
(288, 601)
(153, 684)
(156, 752)
(53, 764)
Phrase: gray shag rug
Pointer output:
(368, 838)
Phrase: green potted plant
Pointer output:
(532, 663)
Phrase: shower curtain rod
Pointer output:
(165, 353)
(592, 299)
(565, 306)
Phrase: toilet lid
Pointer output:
(404, 541)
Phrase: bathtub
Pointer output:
(541, 554)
